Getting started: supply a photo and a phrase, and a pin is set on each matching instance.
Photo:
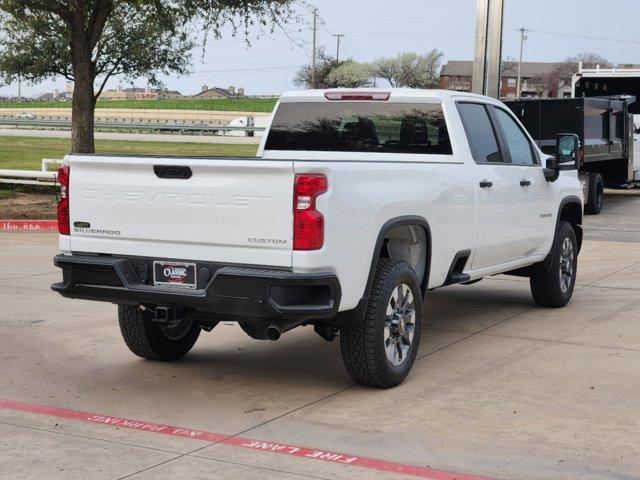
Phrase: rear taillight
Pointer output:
(308, 223)
(63, 203)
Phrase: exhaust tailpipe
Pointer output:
(275, 330)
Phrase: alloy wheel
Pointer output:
(399, 325)
(567, 265)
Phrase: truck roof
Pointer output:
(397, 94)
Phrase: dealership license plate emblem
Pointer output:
(174, 274)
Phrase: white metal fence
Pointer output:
(32, 177)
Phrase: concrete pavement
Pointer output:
(502, 389)
(620, 217)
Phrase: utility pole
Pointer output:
(19, 88)
(488, 48)
(523, 38)
(313, 54)
(338, 37)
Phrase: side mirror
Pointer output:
(568, 151)
(551, 171)
(567, 156)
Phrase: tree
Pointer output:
(565, 70)
(549, 83)
(90, 41)
(387, 69)
(509, 67)
(350, 75)
(325, 64)
(410, 69)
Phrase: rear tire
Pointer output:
(381, 350)
(552, 282)
(154, 341)
(596, 194)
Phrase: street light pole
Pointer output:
(523, 37)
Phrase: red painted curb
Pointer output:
(281, 448)
(28, 225)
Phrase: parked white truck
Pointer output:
(358, 203)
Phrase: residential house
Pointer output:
(217, 92)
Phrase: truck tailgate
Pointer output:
(229, 210)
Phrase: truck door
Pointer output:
(505, 210)
(535, 194)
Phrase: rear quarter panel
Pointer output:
(363, 196)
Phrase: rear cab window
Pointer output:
(482, 137)
(370, 127)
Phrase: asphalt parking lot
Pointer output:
(502, 389)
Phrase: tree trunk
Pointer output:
(83, 103)
(82, 115)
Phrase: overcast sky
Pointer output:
(375, 28)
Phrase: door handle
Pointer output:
(525, 183)
(172, 171)
(486, 184)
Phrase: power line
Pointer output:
(404, 32)
(395, 20)
(250, 69)
(244, 57)
(584, 37)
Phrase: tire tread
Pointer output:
(544, 280)
(358, 342)
(146, 340)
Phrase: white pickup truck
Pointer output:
(358, 203)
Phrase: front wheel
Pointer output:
(381, 350)
(154, 341)
(552, 282)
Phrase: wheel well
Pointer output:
(572, 213)
(411, 243)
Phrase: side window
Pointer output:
(482, 138)
(517, 142)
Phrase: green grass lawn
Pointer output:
(25, 153)
(230, 104)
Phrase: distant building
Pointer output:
(536, 79)
(217, 92)
(137, 93)
(56, 95)
(68, 89)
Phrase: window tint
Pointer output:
(360, 127)
(482, 138)
(517, 142)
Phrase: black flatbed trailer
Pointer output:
(606, 130)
